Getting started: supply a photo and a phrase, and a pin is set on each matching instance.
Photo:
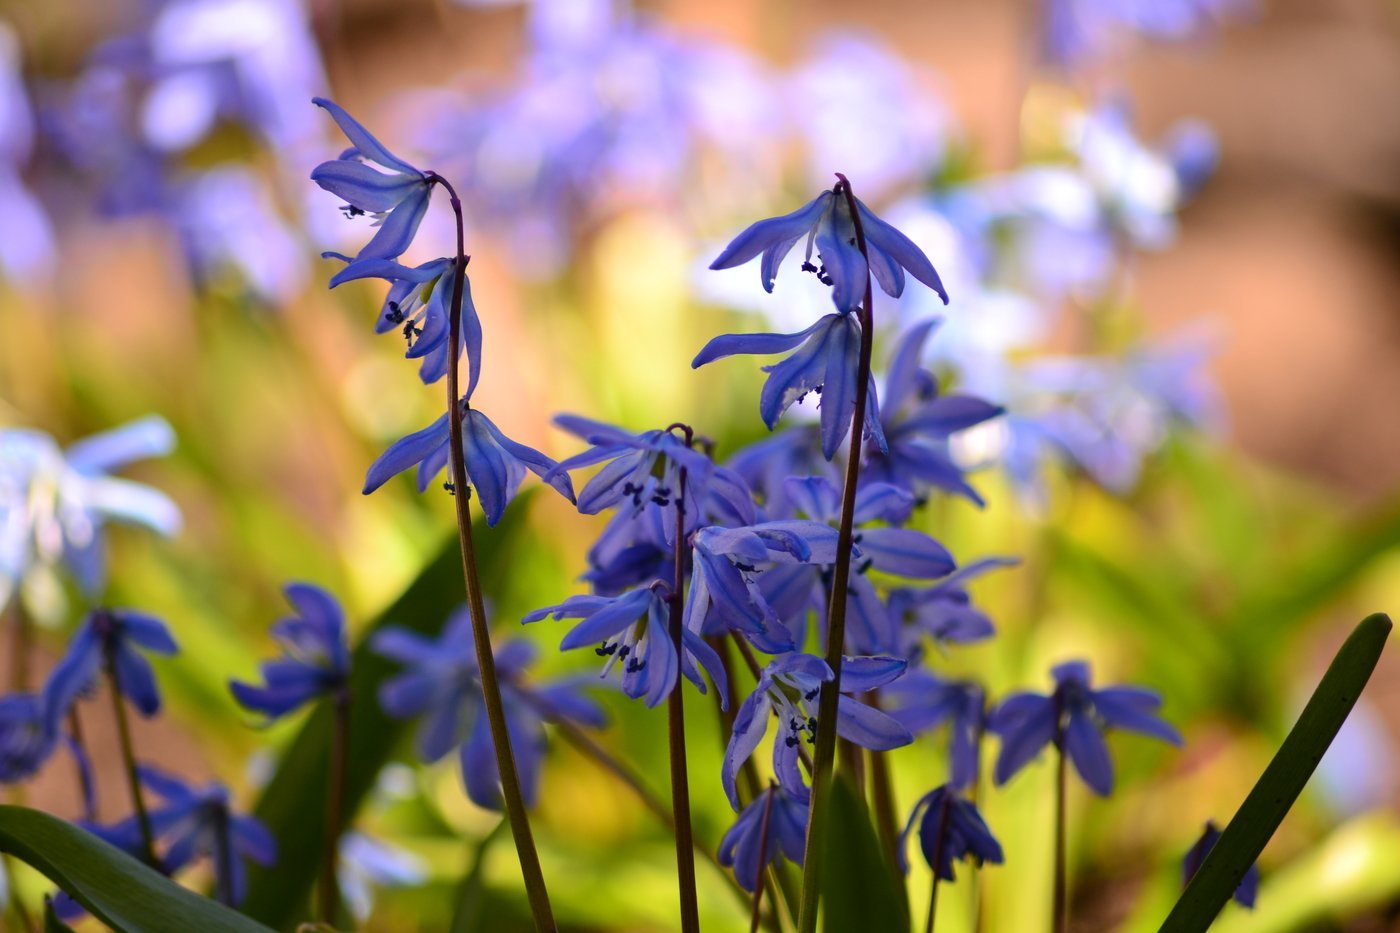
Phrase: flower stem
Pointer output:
(138, 802)
(20, 646)
(329, 891)
(836, 609)
(223, 858)
(675, 708)
(938, 860)
(762, 859)
(481, 636)
(1060, 917)
(82, 764)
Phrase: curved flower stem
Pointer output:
(1060, 907)
(938, 858)
(762, 853)
(675, 709)
(481, 636)
(329, 891)
(138, 802)
(82, 764)
(836, 609)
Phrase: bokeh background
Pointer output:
(160, 255)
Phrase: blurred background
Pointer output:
(1170, 234)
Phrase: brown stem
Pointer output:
(335, 807)
(762, 859)
(128, 748)
(675, 707)
(1061, 897)
(937, 858)
(20, 645)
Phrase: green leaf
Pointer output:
(114, 887)
(293, 805)
(1283, 780)
(860, 890)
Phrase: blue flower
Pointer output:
(944, 611)
(109, 639)
(55, 503)
(397, 199)
(27, 736)
(951, 829)
(789, 687)
(1074, 717)
(315, 661)
(826, 362)
(418, 306)
(921, 701)
(441, 685)
(766, 464)
(193, 822)
(366, 863)
(495, 463)
(634, 630)
(826, 223)
(787, 835)
(1248, 889)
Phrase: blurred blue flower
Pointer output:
(1074, 716)
(786, 815)
(951, 829)
(1248, 889)
(26, 238)
(27, 736)
(191, 822)
(108, 640)
(441, 685)
(1076, 34)
(788, 687)
(826, 362)
(367, 863)
(922, 701)
(396, 199)
(54, 503)
(634, 630)
(315, 658)
(766, 464)
(826, 222)
(944, 611)
(495, 463)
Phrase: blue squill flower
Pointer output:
(789, 687)
(921, 701)
(766, 464)
(367, 863)
(1248, 889)
(192, 822)
(26, 239)
(397, 199)
(825, 362)
(27, 736)
(786, 814)
(441, 685)
(112, 640)
(944, 611)
(1078, 33)
(495, 463)
(951, 830)
(826, 223)
(633, 630)
(1074, 716)
(315, 658)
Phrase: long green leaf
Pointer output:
(293, 803)
(1283, 780)
(114, 887)
(860, 890)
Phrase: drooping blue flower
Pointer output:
(397, 199)
(633, 630)
(192, 822)
(1248, 889)
(766, 464)
(921, 701)
(315, 658)
(826, 362)
(109, 640)
(27, 736)
(440, 684)
(55, 504)
(742, 847)
(789, 686)
(944, 611)
(916, 423)
(495, 463)
(1074, 716)
(418, 306)
(951, 829)
(826, 223)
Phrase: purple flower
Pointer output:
(944, 611)
(826, 223)
(765, 466)
(109, 639)
(27, 736)
(951, 829)
(1074, 717)
(397, 199)
(440, 685)
(789, 686)
(787, 835)
(633, 630)
(1248, 889)
(495, 463)
(315, 661)
(921, 700)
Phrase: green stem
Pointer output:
(138, 801)
(938, 857)
(481, 636)
(836, 611)
(675, 707)
(329, 890)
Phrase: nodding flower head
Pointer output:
(951, 829)
(786, 817)
(110, 638)
(1248, 889)
(315, 660)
